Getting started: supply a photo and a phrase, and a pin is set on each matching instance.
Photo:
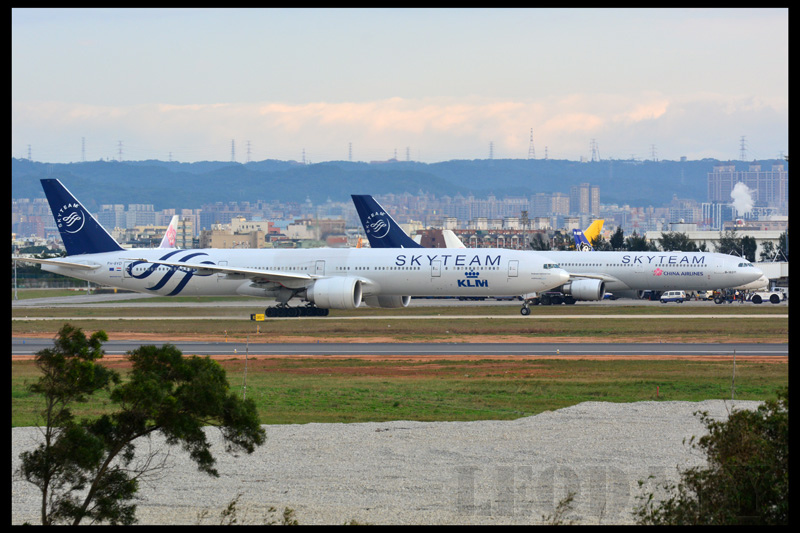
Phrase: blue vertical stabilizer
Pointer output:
(381, 229)
(81, 233)
(581, 243)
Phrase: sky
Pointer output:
(427, 85)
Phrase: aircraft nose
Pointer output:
(562, 275)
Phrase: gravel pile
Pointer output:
(487, 472)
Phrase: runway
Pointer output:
(29, 346)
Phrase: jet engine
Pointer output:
(585, 289)
(335, 293)
(387, 301)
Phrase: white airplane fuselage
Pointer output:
(384, 272)
(658, 270)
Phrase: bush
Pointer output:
(747, 477)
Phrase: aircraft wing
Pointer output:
(246, 273)
(592, 275)
(59, 262)
(287, 279)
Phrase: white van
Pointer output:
(673, 296)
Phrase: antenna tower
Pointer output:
(83, 149)
(545, 152)
(248, 151)
(349, 151)
(595, 151)
(531, 150)
(742, 149)
(29, 153)
(119, 150)
(233, 150)
(408, 153)
(491, 150)
(653, 152)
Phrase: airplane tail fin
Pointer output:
(381, 229)
(581, 243)
(583, 239)
(170, 236)
(81, 233)
(593, 230)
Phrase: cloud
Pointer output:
(440, 128)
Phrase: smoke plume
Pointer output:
(742, 199)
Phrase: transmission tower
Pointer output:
(29, 153)
(742, 150)
(545, 153)
(119, 150)
(491, 150)
(531, 151)
(595, 151)
(350, 151)
(233, 150)
(653, 152)
(83, 149)
(248, 151)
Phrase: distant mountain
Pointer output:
(168, 184)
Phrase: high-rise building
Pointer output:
(584, 199)
(769, 188)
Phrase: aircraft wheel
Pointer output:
(525, 311)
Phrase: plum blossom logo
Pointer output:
(657, 272)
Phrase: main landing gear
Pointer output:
(283, 311)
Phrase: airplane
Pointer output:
(326, 278)
(583, 239)
(170, 236)
(625, 274)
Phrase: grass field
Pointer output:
(302, 390)
(288, 390)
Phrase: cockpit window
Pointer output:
(550, 265)
(745, 265)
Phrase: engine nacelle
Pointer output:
(387, 301)
(335, 293)
(585, 289)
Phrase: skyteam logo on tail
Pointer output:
(377, 225)
(70, 218)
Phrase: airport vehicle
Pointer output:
(583, 239)
(625, 274)
(673, 296)
(705, 295)
(326, 278)
(772, 296)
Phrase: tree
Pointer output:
(729, 243)
(539, 243)
(783, 245)
(767, 251)
(747, 477)
(600, 244)
(85, 468)
(673, 241)
(749, 247)
(635, 243)
(617, 240)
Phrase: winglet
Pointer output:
(81, 233)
